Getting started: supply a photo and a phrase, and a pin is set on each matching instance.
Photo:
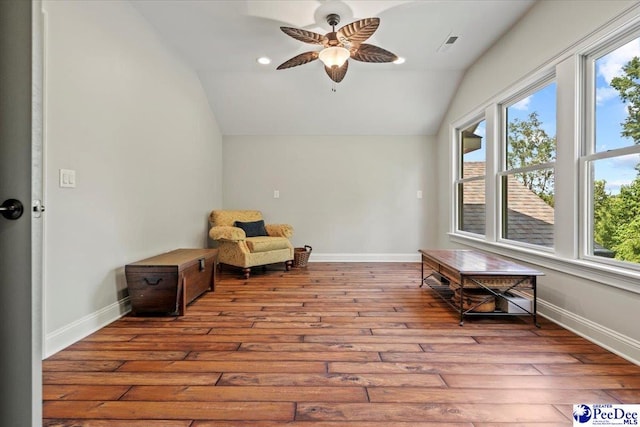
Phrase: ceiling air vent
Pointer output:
(447, 43)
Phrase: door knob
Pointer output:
(12, 209)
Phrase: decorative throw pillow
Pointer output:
(252, 229)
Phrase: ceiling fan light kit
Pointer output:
(339, 46)
(334, 56)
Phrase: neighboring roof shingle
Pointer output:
(529, 218)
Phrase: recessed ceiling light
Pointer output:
(400, 60)
(264, 60)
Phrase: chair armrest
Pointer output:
(225, 232)
(279, 230)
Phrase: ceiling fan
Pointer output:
(339, 46)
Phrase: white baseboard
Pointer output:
(622, 345)
(75, 331)
(315, 257)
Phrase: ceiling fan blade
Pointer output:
(370, 53)
(337, 73)
(301, 59)
(358, 31)
(304, 35)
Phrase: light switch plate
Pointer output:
(67, 178)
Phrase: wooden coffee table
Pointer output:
(469, 269)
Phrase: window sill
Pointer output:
(616, 277)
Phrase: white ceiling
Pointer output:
(221, 40)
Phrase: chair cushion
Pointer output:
(266, 243)
(253, 228)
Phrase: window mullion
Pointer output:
(492, 167)
(567, 210)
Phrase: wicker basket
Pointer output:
(477, 300)
(301, 256)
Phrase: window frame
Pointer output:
(458, 175)
(588, 148)
(538, 83)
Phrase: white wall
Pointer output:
(132, 120)
(604, 313)
(349, 197)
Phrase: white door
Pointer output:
(20, 353)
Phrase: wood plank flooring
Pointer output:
(332, 344)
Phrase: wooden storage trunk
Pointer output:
(166, 283)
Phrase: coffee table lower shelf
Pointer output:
(446, 294)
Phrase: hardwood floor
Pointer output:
(332, 344)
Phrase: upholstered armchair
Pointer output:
(245, 241)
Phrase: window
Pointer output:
(611, 158)
(470, 182)
(527, 180)
(557, 181)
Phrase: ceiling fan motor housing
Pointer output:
(332, 39)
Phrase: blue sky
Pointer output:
(610, 113)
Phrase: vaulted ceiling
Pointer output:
(221, 41)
